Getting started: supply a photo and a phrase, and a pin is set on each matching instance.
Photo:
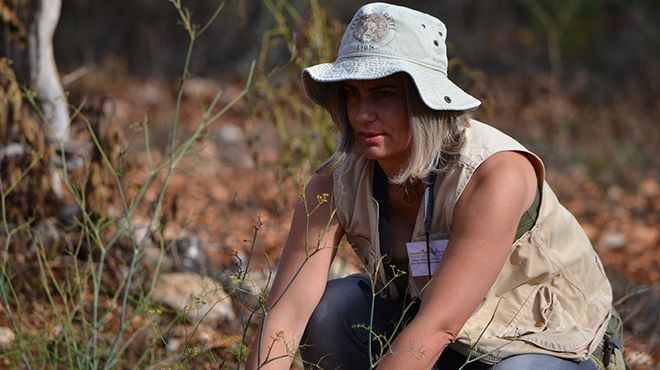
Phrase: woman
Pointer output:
(470, 256)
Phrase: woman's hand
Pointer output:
(484, 224)
(301, 277)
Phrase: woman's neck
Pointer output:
(391, 169)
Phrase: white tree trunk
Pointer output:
(43, 70)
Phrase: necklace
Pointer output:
(410, 196)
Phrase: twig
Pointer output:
(636, 292)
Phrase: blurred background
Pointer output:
(614, 40)
(576, 81)
(569, 61)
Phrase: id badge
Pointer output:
(417, 256)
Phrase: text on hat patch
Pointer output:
(371, 31)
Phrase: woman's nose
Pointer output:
(366, 111)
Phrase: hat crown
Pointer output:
(392, 31)
(384, 39)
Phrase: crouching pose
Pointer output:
(470, 257)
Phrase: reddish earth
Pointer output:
(231, 182)
(226, 187)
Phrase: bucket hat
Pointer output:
(383, 39)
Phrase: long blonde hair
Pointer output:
(437, 136)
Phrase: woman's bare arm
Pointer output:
(301, 277)
(484, 224)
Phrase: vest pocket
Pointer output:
(542, 322)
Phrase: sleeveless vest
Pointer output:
(551, 296)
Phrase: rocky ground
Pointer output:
(232, 183)
(229, 203)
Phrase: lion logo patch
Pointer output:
(372, 31)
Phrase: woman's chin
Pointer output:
(372, 153)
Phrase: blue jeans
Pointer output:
(336, 336)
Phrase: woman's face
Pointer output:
(378, 114)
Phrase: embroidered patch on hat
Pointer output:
(373, 30)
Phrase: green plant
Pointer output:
(94, 306)
(304, 129)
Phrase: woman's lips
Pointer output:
(371, 138)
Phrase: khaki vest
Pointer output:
(552, 295)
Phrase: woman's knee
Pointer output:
(330, 340)
(343, 300)
(341, 297)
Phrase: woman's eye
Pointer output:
(350, 92)
(384, 94)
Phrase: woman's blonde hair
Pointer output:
(437, 136)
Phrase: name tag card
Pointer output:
(417, 256)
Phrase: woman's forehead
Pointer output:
(395, 80)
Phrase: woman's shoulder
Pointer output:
(484, 140)
(319, 184)
(353, 168)
(352, 187)
(480, 133)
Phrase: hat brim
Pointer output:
(435, 89)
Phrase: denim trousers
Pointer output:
(337, 335)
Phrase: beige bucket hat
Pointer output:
(383, 39)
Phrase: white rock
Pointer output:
(200, 298)
(149, 93)
(198, 88)
(140, 233)
(11, 150)
(174, 344)
(229, 133)
(614, 240)
(7, 337)
(341, 267)
(152, 255)
(638, 359)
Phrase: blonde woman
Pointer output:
(471, 256)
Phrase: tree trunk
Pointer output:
(43, 71)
